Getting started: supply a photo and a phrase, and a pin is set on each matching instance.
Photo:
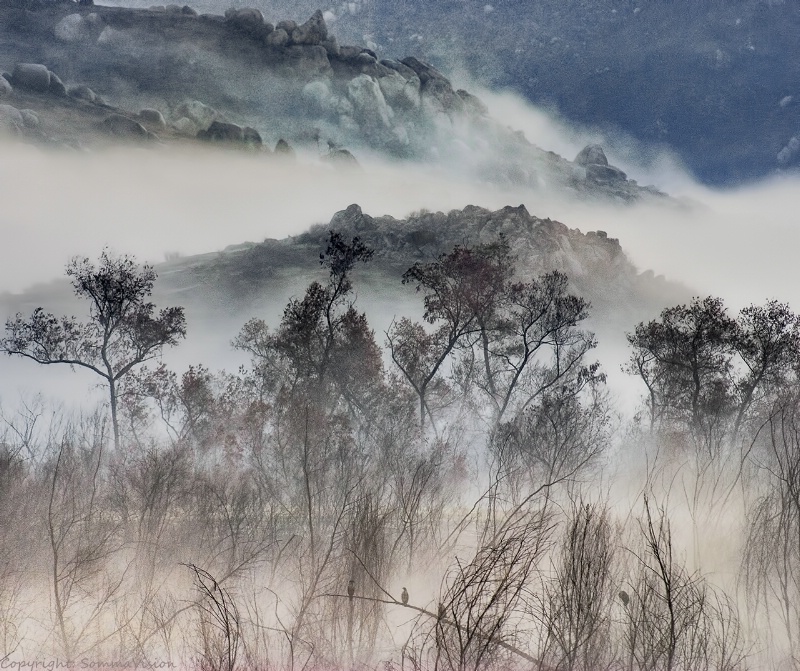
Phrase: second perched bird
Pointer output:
(351, 589)
(404, 597)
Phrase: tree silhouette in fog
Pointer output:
(122, 332)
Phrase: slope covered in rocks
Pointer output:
(170, 74)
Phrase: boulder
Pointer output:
(56, 87)
(221, 131)
(248, 20)
(31, 77)
(185, 126)
(312, 32)
(368, 101)
(424, 71)
(348, 53)
(277, 38)
(153, 117)
(591, 154)
(72, 28)
(125, 127)
(318, 95)
(82, 92)
(252, 138)
(5, 87)
(331, 46)
(199, 113)
(401, 69)
(307, 61)
(188, 11)
(399, 92)
(287, 25)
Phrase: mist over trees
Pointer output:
(456, 493)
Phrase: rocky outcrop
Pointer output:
(293, 78)
(593, 159)
(591, 154)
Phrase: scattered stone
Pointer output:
(32, 77)
(82, 92)
(153, 117)
(591, 154)
(188, 11)
(125, 127)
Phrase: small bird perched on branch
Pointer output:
(351, 589)
(623, 596)
(404, 597)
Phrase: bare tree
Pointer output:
(122, 332)
(576, 613)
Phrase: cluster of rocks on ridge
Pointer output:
(595, 263)
(265, 82)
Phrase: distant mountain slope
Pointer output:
(250, 275)
(242, 80)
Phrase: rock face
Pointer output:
(5, 87)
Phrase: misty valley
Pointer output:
(330, 356)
